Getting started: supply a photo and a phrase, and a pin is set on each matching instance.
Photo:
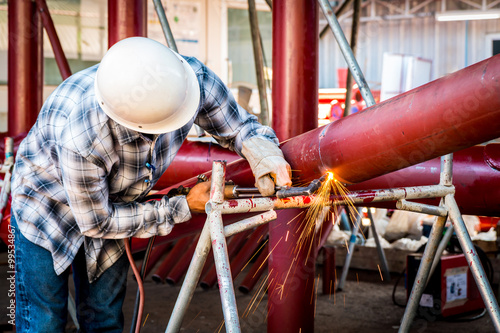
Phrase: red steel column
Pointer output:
(25, 66)
(295, 111)
(126, 18)
(59, 55)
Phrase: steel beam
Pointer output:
(25, 66)
(126, 18)
(62, 62)
(295, 111)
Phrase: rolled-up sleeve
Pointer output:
(86, 187)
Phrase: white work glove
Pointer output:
(266, 160)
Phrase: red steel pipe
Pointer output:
(194, 158)
(446, 115)
(182, 264)
(62, 62)
(155, 256)
(295, 67)
(171, 259)
(405, 130)
(25, 66)
(246, 252)
(259, 267)
(476, 176)
(255, 272)
(233, 246)
(291, 275)
(126, 18)
(240, 259)
(329, 280)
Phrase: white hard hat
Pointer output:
(145, 86)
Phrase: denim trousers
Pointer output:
(42, 295)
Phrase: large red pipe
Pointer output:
(449, 114)
(476, 176)
(406, 130)
(194, 158)
(155, 256)
(25, 66)
(295, 111)
(476, 173)
(126, 18)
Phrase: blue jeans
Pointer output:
(42, 296)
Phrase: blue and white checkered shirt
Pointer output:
(79, 175)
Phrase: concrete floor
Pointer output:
(363, 306)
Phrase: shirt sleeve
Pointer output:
(222, 117)
(85, 185)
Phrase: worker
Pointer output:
(102, 140)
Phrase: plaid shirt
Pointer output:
(79, 175)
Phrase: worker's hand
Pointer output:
(267, 163)
(198, 197)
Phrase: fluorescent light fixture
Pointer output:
(467, 15)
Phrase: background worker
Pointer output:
(101, 142)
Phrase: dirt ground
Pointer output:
(363, 306)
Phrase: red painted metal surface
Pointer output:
(171, 258)
(255, 272)
(194, 158)
(295, 111)
(248, 249)
(291, 276)
(126, 18)
(475, 177)
(61, 60)
(295, 67)
(155, 256)
(233, 246)
(329, 278)
(182, 264)
(25, 66)
(443, 116)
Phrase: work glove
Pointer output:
(267, 163)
